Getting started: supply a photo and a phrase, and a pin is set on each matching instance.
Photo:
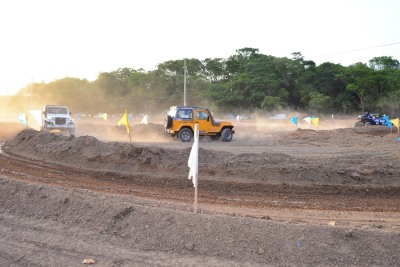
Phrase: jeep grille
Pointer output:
(61, 120)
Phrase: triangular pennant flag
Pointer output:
(315, 121)
(395, 122)
(144, 120)
(308, 120)
(35, 119)
(124, 121)
(22, 119)
(294, 120)
(104, 116)
(387, 122)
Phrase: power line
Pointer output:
(356, 50)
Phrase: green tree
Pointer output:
(320, 102)
(381, 63)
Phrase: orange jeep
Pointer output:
(180, 123)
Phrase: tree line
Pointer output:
(245, 82)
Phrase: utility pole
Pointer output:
(184, 83)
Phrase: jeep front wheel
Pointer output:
(185, 135)
(226, 135)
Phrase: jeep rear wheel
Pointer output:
(185, 135)
(226, 135)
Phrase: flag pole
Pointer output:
(184, 83)
(196, 139)
(195, 197)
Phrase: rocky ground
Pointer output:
(275, 195)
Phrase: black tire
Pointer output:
(227, 135)
(168, 122)
(185, 135)
(367, 123)
(358, 124)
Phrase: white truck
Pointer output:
(56, 117)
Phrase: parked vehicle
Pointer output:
(281, 116)
(368, 119)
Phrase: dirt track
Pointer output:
(271, 197)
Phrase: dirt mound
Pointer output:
(89, 152)
(320, 157)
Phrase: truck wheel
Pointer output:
(72, 133)
(226, 135)
(185, 135)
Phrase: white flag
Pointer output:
(308, 120)
(238, 118)
(35, 119)
(144, 120)
(193, 162)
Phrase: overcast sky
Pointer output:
(47, 40)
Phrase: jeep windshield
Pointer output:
(57, 110)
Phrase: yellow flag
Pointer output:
(104, 116)
(124, 121)
(315, 121)
(395, 122)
